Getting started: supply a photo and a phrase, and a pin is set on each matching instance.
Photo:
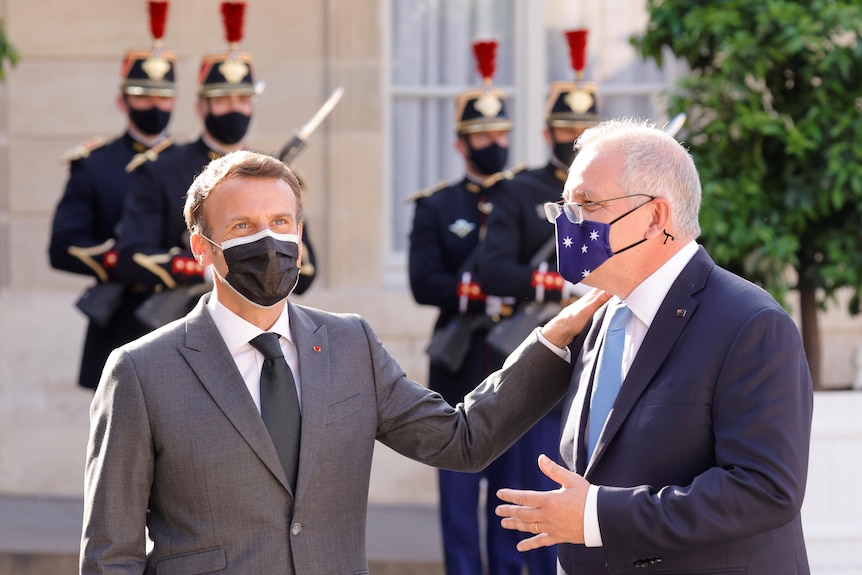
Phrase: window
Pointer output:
(431, 61)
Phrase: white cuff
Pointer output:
(562, 352)
(592, 533)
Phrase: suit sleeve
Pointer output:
(75, 221)
(761, 410)
(118, 474)
(419, 424)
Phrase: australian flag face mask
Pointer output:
(583, 247)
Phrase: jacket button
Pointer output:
(295, 529)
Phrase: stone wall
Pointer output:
(62, 93)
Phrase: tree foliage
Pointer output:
(774, 102)
(7, 52)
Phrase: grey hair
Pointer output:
(655, 164)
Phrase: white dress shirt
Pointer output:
(237, 333)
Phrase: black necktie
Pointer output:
(279, 405)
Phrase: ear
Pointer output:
(121, 103)
(548, 139)
(660, 218)
(199, 249)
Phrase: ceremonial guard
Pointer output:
(153, 242)
(448, 226)
(518, 259)
(83, 230)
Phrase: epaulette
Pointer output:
(149, 155)
(427, 192)
(84, 149)
(504, 175)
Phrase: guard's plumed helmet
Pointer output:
(230, 72)
(482, 109)
(150, 72)
(574, 104)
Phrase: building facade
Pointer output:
(400, 62)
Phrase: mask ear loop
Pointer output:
(666, 237)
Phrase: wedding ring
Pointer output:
(536, 526)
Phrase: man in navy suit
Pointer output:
(699, 464)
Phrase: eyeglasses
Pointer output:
(575, 211)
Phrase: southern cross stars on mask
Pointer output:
(593, 238)
(581, 248)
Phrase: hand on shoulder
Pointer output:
(573, 318)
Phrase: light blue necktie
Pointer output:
(609, 375)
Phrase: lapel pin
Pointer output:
(681, 312)
(316, 348)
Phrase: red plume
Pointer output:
(158, 16)
(233, 14)
(577, 49)
(486, 56)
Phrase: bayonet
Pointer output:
(297, 142)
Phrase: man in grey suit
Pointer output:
(698, 463)
(178, 442)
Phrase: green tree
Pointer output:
(7, 52)
(774, 102)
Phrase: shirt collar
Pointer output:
(647, 297)
(237, 332)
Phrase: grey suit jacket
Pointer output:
(177, 444)
(704, 457)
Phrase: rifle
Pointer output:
(297, 142)
(675, 124)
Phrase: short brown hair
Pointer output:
(236, 164)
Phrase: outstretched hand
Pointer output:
(573, 318)
(552, 516)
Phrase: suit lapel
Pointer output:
(211, 361)
(673, 315)
(312, 347)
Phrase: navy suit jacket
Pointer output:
(703, 461)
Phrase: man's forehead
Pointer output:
(592, 171)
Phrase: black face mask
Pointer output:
(261, 268)
(489, 160)
(228, 128)
(564, 152)
(151, 121)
